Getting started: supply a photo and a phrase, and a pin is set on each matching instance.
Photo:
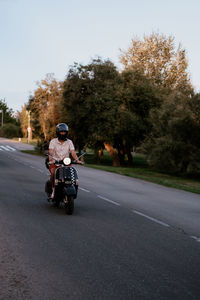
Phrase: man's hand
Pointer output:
(80, 162)
(73, 153)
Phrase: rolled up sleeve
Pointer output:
(51, 144)
(71, 145)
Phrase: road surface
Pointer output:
(127, 238)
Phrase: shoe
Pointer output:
(52, 194)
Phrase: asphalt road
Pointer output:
(127, 239)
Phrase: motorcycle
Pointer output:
(65, 182)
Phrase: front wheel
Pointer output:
(69, 206)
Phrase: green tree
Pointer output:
(8, 115)
(91, 101)
(156, 57)
(11, 124)
(174, 142)
(107, 109)
(138, 97)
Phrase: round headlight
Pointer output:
(67, 161)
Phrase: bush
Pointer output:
(174, 143)
(10, 130)
(42, 146)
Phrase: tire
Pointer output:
(56, 200)
(48, 188)
(69, 207)
(56, 203)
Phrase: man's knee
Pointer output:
(52, 169)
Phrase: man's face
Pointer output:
(62, 132)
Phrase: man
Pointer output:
(59, 148)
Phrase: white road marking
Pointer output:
(40, 171)
(150, 218)
(5, 148)
(11, 148)
(195, 238)
(1, 149)
(108, 200)
(82, 189)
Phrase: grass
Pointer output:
(190, 185)
(141, 170)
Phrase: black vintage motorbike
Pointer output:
(66, 184)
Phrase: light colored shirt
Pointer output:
(60, 151)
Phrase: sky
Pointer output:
(47, 36)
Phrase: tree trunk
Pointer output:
(121, 155)
(184, 166)
(97, 157)
(44, 130)
(113, 153)
(100, 153)
(129, 155)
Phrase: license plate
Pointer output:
(68, 182)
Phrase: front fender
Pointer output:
(70, 190)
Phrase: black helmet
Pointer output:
(62, 127)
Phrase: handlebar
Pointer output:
(60, 162)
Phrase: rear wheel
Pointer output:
(69, 206)
(48, 188)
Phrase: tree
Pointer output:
(108, 109)
(91, 101)
(174, 142)
(8, 116)
(156, 57)
(11, 123)
(45, 107)
(138, 97)
(24, 120)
